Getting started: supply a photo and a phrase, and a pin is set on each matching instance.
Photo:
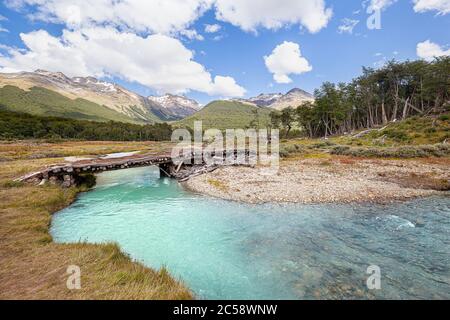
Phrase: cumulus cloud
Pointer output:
(274, 14)
(286, 59)
(168, 17)
(428, 50)
(381, 4)
(347, 25)
(156, 61)
(441, 6)
(227, 87)
(212, 28)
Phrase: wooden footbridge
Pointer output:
(69, 174)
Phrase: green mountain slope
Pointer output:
(228, 115)
(44, 102)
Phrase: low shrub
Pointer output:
(323, 144)
(291, 149)
(397, 135)
(437, 150)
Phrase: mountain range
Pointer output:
(53, 93)
(280, 101)
(173, 107)
(87, 98)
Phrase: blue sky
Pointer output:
(233, 51)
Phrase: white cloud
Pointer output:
(212, 28)
(428, 50)
(172, 16)
(227, 87)
(218, 37)
(156, 61)
(274, 14)
(3, 29)
(381, 4)
(153, 16)
(347, 25)
(3, 18)
(286, 59)
(191, 34)
(441, 6)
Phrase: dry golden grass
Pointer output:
(42, 150)
(34, 267)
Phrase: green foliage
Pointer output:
(228, 115)
(291, 149)
(44, 102)
(415, 130)
(396, 135)
(395, 92)
(14, 125)
(323, 144)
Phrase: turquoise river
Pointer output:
(230, 250)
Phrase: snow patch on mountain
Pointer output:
(279, 101)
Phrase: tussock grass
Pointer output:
(11, 184)
(438, 150)
(32, 266)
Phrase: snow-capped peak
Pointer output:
(170, 101)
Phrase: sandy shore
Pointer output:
(337, 180)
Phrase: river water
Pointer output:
(230, 250)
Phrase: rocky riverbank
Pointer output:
(333, 180)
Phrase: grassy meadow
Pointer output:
(34, 267)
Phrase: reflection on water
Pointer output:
(228, 250)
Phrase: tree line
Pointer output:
(14, 125)
(394, 92)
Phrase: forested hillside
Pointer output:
(14, 125)
(395, 92)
